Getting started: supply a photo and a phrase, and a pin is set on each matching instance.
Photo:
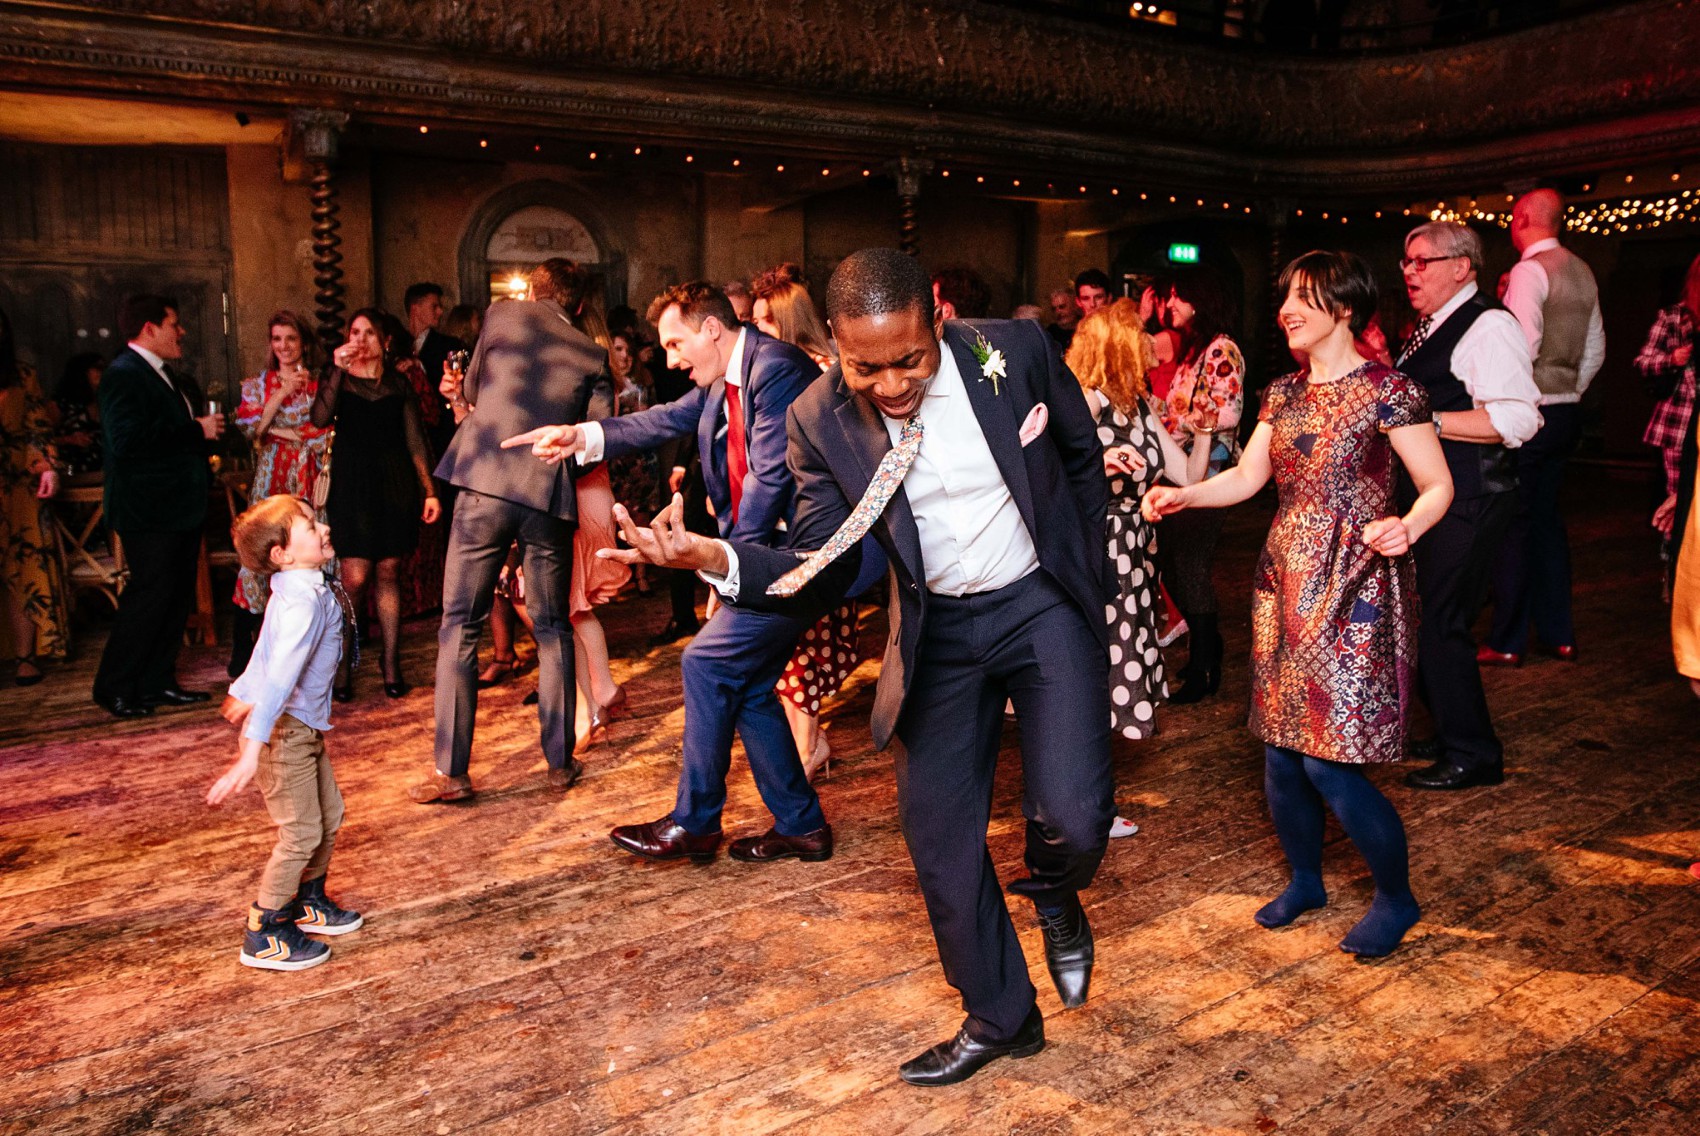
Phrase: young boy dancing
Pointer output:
(282, 702)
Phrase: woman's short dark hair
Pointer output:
(878, 281)
(74, 388)
(1340, 283)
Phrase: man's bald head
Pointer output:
(1538, 215)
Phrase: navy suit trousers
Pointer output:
(730, 671)
(1030, 644)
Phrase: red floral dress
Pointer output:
(1333, 623)
(281, 465)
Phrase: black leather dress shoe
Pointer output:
(961, 1057)
(123, 707)
(673, 632)
(770, 845)
(664, 840)
(172, 696)
(1447, 775)
(1068, 951)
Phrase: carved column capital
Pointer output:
(318, 132)
(909, 170)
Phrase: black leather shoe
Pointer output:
(343, 693)
(1197, 686)
(770, 845)
(1068, 951)
(673, 632)
(1447, 775)
(172, 696)
(664, 840)
(123, 707)
(961, 1057)
(397, 689)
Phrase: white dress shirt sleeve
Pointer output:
(291, 620)
(1526, 297)
(595, 442)
(1492, 361)
(726, 585)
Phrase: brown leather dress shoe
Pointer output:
(565, 777)
(440, 787)
(665, 840)
(770, 845)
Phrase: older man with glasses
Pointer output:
(1473, 359)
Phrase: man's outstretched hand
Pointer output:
(666, 543)
(554, 444)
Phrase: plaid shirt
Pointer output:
(1669, 423)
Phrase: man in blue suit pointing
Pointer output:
(745, 383)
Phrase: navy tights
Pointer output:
(1299, 787)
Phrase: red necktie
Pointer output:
(737, 457)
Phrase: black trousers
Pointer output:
(1454, 566)
(484, 529)
(1531, 579)
(1028, 643)
(141, 656)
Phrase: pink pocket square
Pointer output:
(1035, 424)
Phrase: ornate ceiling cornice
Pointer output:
(954, 78)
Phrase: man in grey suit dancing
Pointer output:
(533, 366)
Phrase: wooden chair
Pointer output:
(203, 624)
(77, 542)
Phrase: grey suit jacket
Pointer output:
(531, 368)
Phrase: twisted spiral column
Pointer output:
(328, 292)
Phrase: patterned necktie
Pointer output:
(893, 468)
(350, 626)
(1419, 334)
(737, 452)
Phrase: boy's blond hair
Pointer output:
(265, 526)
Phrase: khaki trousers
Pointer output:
(301, 795)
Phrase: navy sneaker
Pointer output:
(273, 942)
(317, 914)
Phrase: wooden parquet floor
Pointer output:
(518, 975)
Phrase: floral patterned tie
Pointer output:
(893, 468)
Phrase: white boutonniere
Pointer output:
(991, 362)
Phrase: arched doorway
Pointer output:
(521, 226)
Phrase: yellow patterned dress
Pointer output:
(1334, 624)
(28, 562)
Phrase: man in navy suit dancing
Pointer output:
(745, 383)
(965, 448)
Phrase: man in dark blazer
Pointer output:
(156, 481)
(423, 303)
(745, 383)
(999, 577)
(532, 366)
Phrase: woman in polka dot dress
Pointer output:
(1110, 355)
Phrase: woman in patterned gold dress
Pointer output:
(1334, 605)
(30, 585)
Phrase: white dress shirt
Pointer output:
(595, 440)
(158, 365)
(972, 536)
(1492, 360)
(1526, 297)
(295, 658)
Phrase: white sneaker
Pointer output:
(1122, 827)
(1175, 631)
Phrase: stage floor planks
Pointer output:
(517, 974)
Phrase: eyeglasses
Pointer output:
(1421, 263)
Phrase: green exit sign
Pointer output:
(1183, 254)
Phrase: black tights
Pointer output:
(356, 574)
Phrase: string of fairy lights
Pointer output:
(1627, 213)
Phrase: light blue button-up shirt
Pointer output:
(294, 662)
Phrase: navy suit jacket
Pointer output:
(774, 374)
(156, 477)
(837, 440)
